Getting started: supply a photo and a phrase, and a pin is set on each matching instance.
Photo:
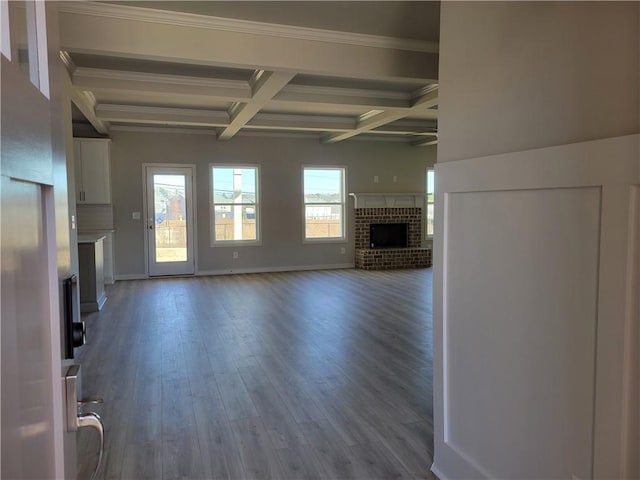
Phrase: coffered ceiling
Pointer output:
(336, 71)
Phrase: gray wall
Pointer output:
(523, 75)
(281, 161)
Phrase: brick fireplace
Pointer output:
(413, 256)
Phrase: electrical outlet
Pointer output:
(235, 255)
(343, 250)
(395, 179)
(135, 215)
(375, 179)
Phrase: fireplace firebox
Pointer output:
(388, 235)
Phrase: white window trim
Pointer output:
(212, 216)
(5, 40)
(426, 201)
(343, 238)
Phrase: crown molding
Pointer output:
(421, 92)
(425, 142)
(125, 12)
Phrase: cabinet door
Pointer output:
(95, 171)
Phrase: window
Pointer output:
(235, 204)
(430, 195)
(324, 203)
(23, 39)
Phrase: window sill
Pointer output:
(312, 241)
(237, 243)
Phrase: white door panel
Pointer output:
(27, 387)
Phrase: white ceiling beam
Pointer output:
(308, 123)
(86, 102)
(98, 80)
(225, 90)
(219, 119)
(264, 86)
(162, 115)
(335, 98)
(117, 32)
(377, 118)
(366, 123)
(246, 26)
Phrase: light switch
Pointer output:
(135, 215)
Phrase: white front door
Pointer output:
(169, 220)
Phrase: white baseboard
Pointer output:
(437, 472)
(205, 273)
(295, 268)
(130, 276)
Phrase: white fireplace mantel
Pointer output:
(388, 200)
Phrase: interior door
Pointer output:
(170, 212)
(28, 414)
(34, 442)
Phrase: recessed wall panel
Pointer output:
(520, 317)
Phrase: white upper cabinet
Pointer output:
(93, 170)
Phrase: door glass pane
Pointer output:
(170, 218)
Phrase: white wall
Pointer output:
(534, 289)
(281, 161)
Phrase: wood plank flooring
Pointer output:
(300, 375)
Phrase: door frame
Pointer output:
(194, 202)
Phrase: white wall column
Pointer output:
(535, 251)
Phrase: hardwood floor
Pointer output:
(302, 375)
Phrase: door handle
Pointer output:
(93, 420)
(77, 419)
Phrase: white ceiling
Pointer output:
(225, 68)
